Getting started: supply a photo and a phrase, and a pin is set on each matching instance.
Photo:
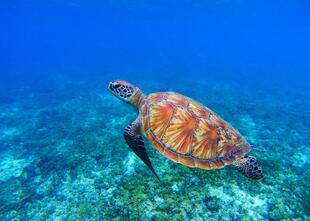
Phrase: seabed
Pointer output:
(63, 157)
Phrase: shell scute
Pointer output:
(187, 160)
(160, 117)
(179, 133)
(199, 110)
(205, 140)
(203, 164)
(156, 97)
(178, 100)
(171, 155)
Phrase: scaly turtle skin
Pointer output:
(184, 131)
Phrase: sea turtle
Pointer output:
(184, 131)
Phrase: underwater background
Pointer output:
(62, 152)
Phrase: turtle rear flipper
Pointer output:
(249, 167)
(134, 139)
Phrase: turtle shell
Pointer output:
(189, 133)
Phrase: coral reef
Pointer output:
(63, 157)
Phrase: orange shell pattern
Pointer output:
(189, 133)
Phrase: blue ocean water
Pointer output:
(63, 156)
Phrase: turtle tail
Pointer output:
(249, 167)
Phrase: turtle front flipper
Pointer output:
(249, 167)
(134, 139)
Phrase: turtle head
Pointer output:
(126, 92)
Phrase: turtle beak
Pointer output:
(111, 85)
